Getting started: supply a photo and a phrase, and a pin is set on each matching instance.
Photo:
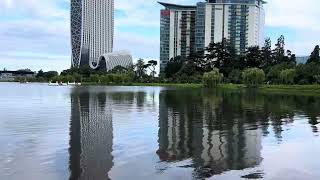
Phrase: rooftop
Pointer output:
(176, 6)
(17, 72)
(236, 1)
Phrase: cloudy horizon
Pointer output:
(35, 34)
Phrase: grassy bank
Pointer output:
(192, 85)
(309, 90)
(313, 90)
(175, 85)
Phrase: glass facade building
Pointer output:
(177, 32)
(241, 22)
(92, 29)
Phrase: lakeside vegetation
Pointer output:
(219, 65)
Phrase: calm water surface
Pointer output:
(143, 133)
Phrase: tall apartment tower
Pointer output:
(92, 28)
(177, 32)
(241, 22)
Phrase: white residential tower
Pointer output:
(92, 29)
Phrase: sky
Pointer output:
(35, 34)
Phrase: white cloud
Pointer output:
(297, 20)
(142, 13)
(34, 27)
(293, 14)
(35, 63)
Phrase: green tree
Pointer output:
(266, 53)
(195, 65)
(306, 73)
(118, 70)
(220, 55)
(212, 78)
(140, 68)
(273, 75)
(189, 69)
(288, 76)
(253, 57)
(95, 78)
(235, 76)
(50, 74)
(40, 73)
(77, 77)
(174, 66)
(289, 58)
(315, 55)
(152, 67)
(253, 77)
(317, 78)
(279, 51)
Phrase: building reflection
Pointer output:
(91, 135)
(222, 131)
(206, 130)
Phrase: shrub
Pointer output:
(94, 78)
(287, 76)
(235, 76)
(306, 73)
(253, 77)
(213, 78)
(77, 77)
(273, 74)
(317, 78)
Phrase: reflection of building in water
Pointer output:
(196, 130)
(91, 135)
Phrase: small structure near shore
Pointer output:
(13, 75)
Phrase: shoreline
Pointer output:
(308, 90)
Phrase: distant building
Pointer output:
(112, 60)
(12, 75)
(241, 22)
(177, 32)
(302, 59)
(92, 29)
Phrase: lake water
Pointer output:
(153, 133)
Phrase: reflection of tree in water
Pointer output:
(90, 135)
(222, 131)
(283, 108)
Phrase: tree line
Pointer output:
(142, 72)
(217, 63)
(265, 65)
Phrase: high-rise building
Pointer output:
(241, 22)
(92, 28)
(177, 32)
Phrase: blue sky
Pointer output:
(35, 33)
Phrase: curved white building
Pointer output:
(112, 60)
(92, 29)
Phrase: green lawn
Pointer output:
(311, 90)
(192, 85)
